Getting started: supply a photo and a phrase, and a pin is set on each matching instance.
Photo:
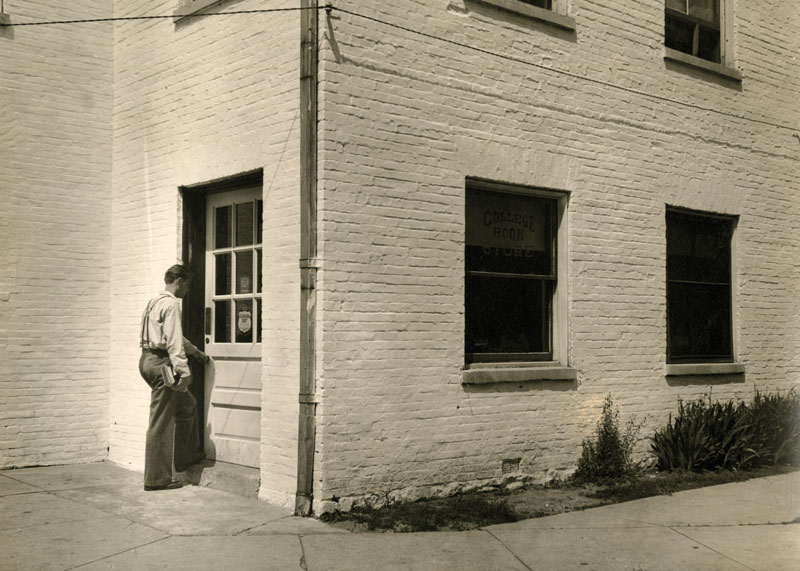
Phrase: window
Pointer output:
(552, 12)
(237, 267)
(693, 27)
(699, 297)
(546, 4)
(510, 274)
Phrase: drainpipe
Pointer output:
(308, 257)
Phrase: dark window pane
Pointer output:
(258, 320)
(708, 45)
(508, 233)
(698, 322)
(244, 321)
(507, 315)
(259, 221)
(244, 272)
(679, 5)
(260, 271)
(244, 224)
(222, 321)
(679, 34)
(547, 4)
(704, 10)
(223, 227)
(698, 248)
(223, 274)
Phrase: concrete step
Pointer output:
(241, 480)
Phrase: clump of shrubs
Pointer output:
(707, 435)
(609, 454)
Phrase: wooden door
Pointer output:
(233, 326)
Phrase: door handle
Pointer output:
(207, 321)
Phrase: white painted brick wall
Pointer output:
(405, 118)
(55, 96)
(207, 98)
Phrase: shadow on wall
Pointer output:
(521, 387)
(705, 380)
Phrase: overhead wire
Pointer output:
(329, 7)
(158, 17)
(562, 72)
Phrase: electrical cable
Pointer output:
(163, 17)
(558, 71)
(329, 7)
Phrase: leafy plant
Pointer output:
(609, 455)
(707, 435)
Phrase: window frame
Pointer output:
(730, 356)
(725, 66)
(556, 15)
(555, 209)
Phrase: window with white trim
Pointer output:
(699, 287)
(695, 27)
(510, 262)
(552, 12)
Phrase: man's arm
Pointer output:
(174, 339)
(193, 351)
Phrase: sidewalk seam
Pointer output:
(711, 548)
(120, 552)
(498, 540)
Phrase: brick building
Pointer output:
(431, 236)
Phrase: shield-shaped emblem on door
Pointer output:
(244, 322)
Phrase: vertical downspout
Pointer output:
(308, 257)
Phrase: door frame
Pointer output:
(193, 250)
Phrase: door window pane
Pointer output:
(222, 274)
(244, 272)
(244, 321)
(258, 320)
(260, 271)
(259, 220)
(223, 227)
(222, 321)
(244, 224)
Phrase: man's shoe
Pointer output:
(170, 486)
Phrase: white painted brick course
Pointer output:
(55, 175)
(406, 118)
(207, 98)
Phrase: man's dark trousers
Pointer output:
(172, 429)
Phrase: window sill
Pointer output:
(719, 69)
(187, 9)
(487, 373)
(541, 14)
(694, 369)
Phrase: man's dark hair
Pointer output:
(177, 271)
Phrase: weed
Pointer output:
(610, 454)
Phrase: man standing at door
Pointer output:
(172, 431)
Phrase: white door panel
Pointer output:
(233, 328)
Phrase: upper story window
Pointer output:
(553, 12)
(546, 4)
(693, 27)
(699, 293)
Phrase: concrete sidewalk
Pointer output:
(96, 516)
